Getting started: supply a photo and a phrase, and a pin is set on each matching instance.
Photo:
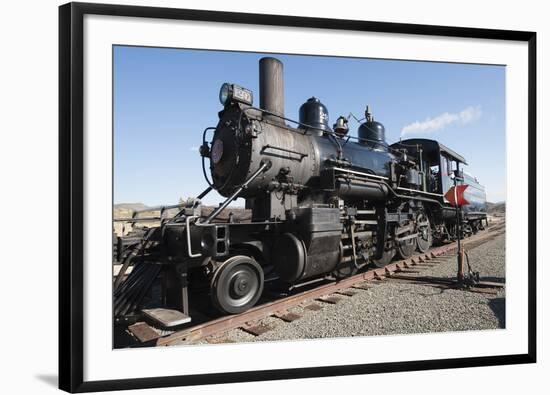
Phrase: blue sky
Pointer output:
(164, 99)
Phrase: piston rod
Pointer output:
(265, 165)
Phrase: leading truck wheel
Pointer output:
(237, 285)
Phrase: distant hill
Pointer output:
(496, 208)
(130, 206)
(125, 210)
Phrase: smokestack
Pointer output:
(272, 95)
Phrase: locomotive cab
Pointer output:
(437, 164)
(440, 164)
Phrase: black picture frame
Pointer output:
(71, 224)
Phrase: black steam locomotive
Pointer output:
(322, 204)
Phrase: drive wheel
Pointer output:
(424, 230)
(345, 270)
(237, 285)
(386, 258)
(406, 248)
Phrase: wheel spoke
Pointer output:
(424, 230)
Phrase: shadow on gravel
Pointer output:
(416, 290)
(498, 306)
(426, 295)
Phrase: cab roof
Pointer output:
(430, 146)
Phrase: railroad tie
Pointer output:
(287, 316)
(313, 307)
(364, 286)
(143, 332)
(330, 299)
(256, 329)
(347, 292)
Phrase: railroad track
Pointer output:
(328, 293)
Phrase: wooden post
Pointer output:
(460, 272)
(460, 252)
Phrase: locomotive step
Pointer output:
(167, 317)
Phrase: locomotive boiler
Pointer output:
(323, 204)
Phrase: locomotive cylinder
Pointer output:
(272, 97)
(363, 190)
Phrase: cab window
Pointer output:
(433, 182)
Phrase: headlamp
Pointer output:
(233, 92)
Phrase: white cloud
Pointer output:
(195, 149)
(430, 125)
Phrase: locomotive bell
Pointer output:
(314, 116)
(341, 127)
(372, 133)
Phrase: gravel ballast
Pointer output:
(390, 307)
